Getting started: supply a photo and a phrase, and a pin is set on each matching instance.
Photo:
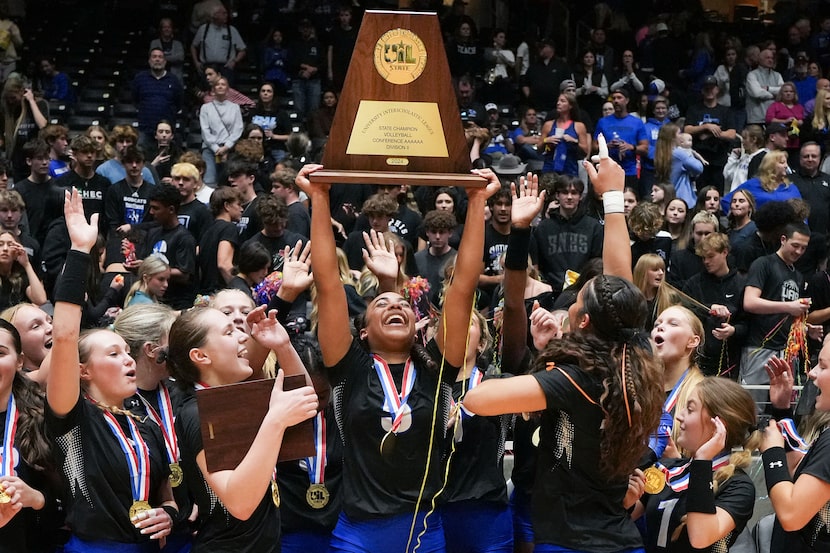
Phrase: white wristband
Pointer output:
(613, 202)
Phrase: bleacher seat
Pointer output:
(124, 110)
(92, 109)
(97, 95)
(82, 122)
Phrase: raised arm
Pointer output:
(458, 302)
(527, 203)
(64, 380)
(608, 179)
(333, 321)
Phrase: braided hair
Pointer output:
(615, 348)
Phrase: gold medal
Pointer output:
(655, 480)
(387, 444)
(317, 496)
(4, 497)
(275, 493)
(138, 507)
(176, 475)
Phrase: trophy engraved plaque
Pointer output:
(397, 119)
(230, 417)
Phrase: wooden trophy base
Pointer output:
(384, 177)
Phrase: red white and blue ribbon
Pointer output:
(678, 477)
(792, 439)
(7, 464)
(671, 400)
(317, 465)
(137, 454)
(394, 402)
(164, 419)
(475, 379)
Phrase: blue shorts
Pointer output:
(522, 523)
(305, 542)
(387, 534)
(550, 548)
(477, 527)
(77, 545)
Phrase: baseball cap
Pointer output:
(622, 90)
(711, 80)
(774, 128)
(491, 107)
(567, 83)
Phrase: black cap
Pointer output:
(773, 128)
(622, 90)
(710, 81)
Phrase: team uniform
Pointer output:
(815, 536)
(380, 490)
(311, 491)
(475, 495)
(575, 505)
(219, 531)
(98, 490)
(665, 511)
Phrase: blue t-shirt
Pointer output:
(629, 129)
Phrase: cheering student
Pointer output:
(114, 468)
(599, 393)
(703, 501)
(392, 395)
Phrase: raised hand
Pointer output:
(544, 326)
(780, 382)
(607, 175)
(305, 185)
(493, 185)
(265, 329)
(296, 271)
(379, 256)
(527, 200)
(82, 234)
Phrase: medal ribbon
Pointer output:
(394, 401)
(317, 465)
(678, 478)
(164, 419)
(7, 463)
(138, 456)
(475, 379)
(671, 400)
(792, 439)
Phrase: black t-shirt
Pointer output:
(714, 149)
(665, 511)
(44, 203)
(293, 477)
(195, 217)
(299, 221)
(92, 193)
(815, 536)
(96, 479)
(818, 290)
(375, 486)
(777, 282)
(574, 504)
(179, 248)
(220, 231)
(219, 531)
(249, 224)
(124, 204)
(276, 244)
(477, 465)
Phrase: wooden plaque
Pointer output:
(231, 415)
(398, 114)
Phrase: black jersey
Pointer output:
(96, 478)
(218, 529)
(477, 464)
(298, 511)
(815, 536)
(575, 505)
(777, 282)
(375, 485)
(665, 513)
